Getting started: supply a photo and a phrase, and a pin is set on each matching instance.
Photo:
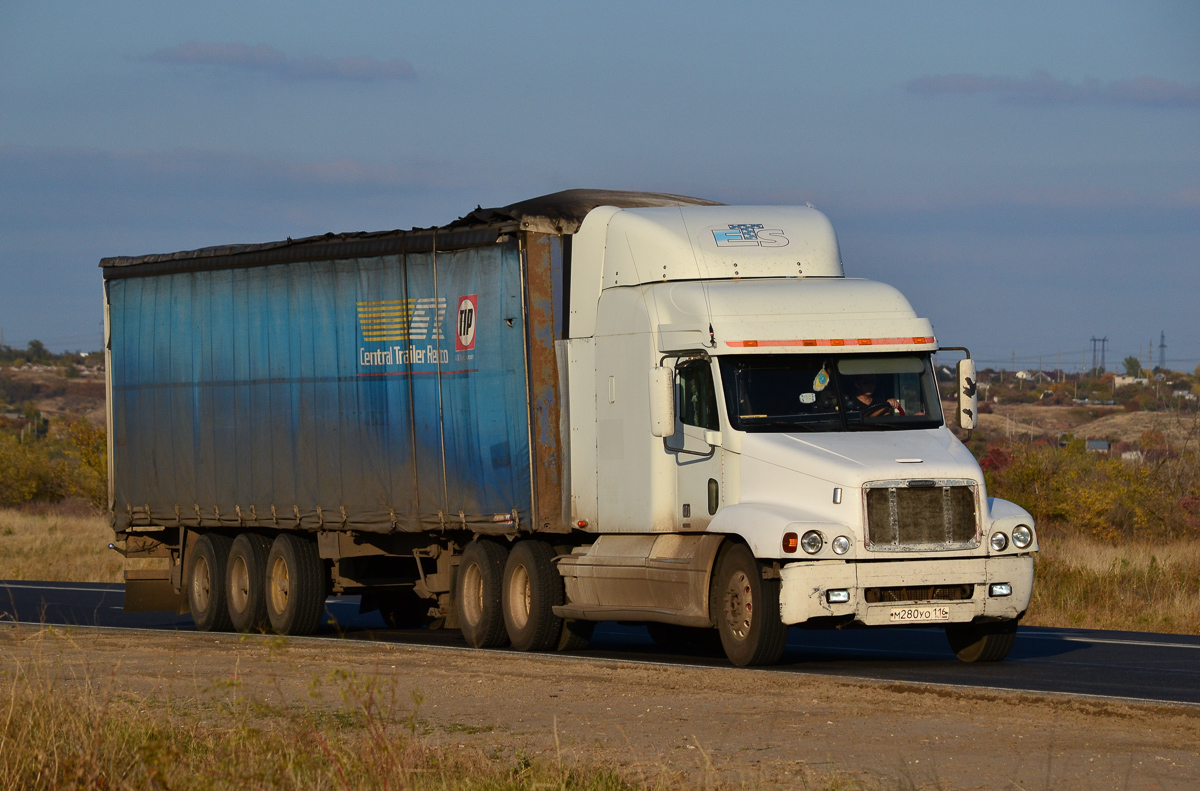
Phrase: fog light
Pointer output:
(999, 542)
(841, 545)
(1022, 536)
(790, 542)
(812, 542)
(1000, 589)
(837, 597)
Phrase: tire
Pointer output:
(982, 642)
(246, 583)
(576, 635)
(477, 596)
(673, 637)
(532, 588)
(745, 608)
(295, 585)
(404, 609)
(206, 583)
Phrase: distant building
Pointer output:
(1098, 445)
(1122, 381)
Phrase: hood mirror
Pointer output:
(968, 395)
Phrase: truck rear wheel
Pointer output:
(246, 586)
(532, 588)
(982, 642)
(745, 608)
(478, 598)
(295, 585)
(206, 583)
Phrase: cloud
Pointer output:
(267, 59)
(1041, 88)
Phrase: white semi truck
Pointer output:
(704, 424)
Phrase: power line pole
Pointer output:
(1162, 350)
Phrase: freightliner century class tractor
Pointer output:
(589, 406)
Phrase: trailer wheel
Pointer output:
(478, 598)
(981, 642)
(532, 587)
(246, 586)
(206, 583)
(295, 585)
(745, 608)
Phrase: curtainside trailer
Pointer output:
(587, 406)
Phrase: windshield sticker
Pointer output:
(822, 380)
(808, 398)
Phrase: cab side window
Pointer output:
(696, 395)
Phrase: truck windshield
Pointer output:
(850, 392)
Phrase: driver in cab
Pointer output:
(866, 402)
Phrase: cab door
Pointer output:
(698, 463)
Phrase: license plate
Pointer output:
(916, 614)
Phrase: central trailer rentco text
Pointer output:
(587, 406)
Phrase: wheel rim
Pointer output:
(739, 605)
(280, 585)
(519, 595)
(473, 594)
(201, 584)
(239, 584)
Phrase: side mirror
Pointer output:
(968, 395)
(662, 401)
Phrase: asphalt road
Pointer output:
(1135, 665)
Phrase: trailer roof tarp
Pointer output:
(559, 212)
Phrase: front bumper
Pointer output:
(803, 593)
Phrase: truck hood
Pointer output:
(853, 458)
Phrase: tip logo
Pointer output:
(748, 235)
(468, 308)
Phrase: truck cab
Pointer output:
(733, 390)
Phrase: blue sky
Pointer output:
(1027, 173)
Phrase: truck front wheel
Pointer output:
(480, 579)
(745, 608)
(295, 585)
(206, 583)
(532, 589)
(982, 642)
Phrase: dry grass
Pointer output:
(1148, 586)
(67, 728)
(58, 546)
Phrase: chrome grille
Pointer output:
(921, 515)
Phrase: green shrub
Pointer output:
(1071, 490)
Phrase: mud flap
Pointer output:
(150, 590)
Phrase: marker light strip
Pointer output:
(913, 341)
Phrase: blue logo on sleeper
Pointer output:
(748, 235)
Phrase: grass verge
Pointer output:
(1089, 584)
(63, 728)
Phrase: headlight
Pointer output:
(812, 542)
(999, 542)
(841, 545)
(1022, 536)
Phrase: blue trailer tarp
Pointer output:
(378, 394)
